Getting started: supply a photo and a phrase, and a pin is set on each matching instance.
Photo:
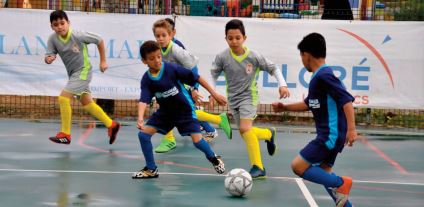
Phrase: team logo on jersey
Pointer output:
(171, 92)
(314, 104)
(249, 68)
(75, 48)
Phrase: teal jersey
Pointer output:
(73, 51)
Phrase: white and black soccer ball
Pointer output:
(238, 182)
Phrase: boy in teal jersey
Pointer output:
(72, 48)
(241, 67)
(171, 52)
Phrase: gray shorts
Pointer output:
(244, 111)
(77, 86)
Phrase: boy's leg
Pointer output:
(329, 190)
(167, 143)
(253, 149)
(221, 120)
(150, 170)
(95, 110)
(64, 136)
(269, 136)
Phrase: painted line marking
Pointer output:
(306, 192)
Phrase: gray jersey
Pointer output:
(178, 55)
(73, 51)
(241, 73)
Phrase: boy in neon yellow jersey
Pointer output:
(241, 67)
(72, 48)
(172, 52)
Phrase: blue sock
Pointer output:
(330, 192)
(206, 126)
(147, 149)
(203, 146)
(320, 176)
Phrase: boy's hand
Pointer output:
(220, 99)
(277, 107)
(103, 66)
(351, 137)
(197, 97)
(49, 58)
(284, 92)
(140, 124)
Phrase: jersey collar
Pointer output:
(320, 67)
(168, 49)
(159, 76)
(67, 38)
(240, 58)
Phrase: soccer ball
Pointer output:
(238, 182)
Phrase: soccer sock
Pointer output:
(203, 116)
(204, 146)
(330, 192)
(262, 134)
(253, 149)
(320, 176)
(98, 112)
(206, 126)
(169, 136)
(65, 114)
(147, 149)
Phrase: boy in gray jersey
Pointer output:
(241, 67)
(72, 48)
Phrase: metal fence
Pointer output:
(382, 10)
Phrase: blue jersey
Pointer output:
(326, 98)
(168, 88)
(179, 43)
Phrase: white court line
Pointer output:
(306, 192)
(191, 174)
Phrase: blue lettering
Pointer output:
(284, 71)
(139, 43)
(130, 55)
(302, 78)
(39, 40)
(23, 45)
(220, 83)
(356, 78)
(1, 44)
(109, 47)
(267, 83)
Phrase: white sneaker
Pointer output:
(209, 136)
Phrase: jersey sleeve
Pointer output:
(88, 37)
(185, 76)
(217, 67)
(184, 57)
(336, 89)
(145, 93)
(266, 64)
(51, 48)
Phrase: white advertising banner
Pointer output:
(380, 63)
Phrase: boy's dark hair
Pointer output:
(171, 22)
(235, 24)
(164, 24)
(313, 44)
(58, 14)
(148, 47)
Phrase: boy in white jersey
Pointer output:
(72, 48)
(171, 52)
(241, 67)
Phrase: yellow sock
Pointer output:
(169, 136)
(211, 118)
(253, 149)
(65, 114)
(261, 133)
(98, 112)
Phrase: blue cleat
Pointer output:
(257, 173)
(270, 144)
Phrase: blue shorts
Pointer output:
(185, 125)
(316, 153)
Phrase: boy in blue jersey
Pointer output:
(164, 81)
(72, 48)
(171, 52)
(332, 109)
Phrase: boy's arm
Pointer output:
(101, 48)
(50, 52)
(280, 107)
(218, 97)
(351, 128)
(184, 57)
(269, 66)
(141, 110)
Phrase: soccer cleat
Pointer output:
(270, 144)
(257, 173)
(342, 192)
(218, 164)
(61, 138)
(209, 136)
(165, 146)
(112, 131)
(225, 125)
(146, 173)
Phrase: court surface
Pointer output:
(388, 171)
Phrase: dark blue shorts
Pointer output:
(185, 125)
(316, 153)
